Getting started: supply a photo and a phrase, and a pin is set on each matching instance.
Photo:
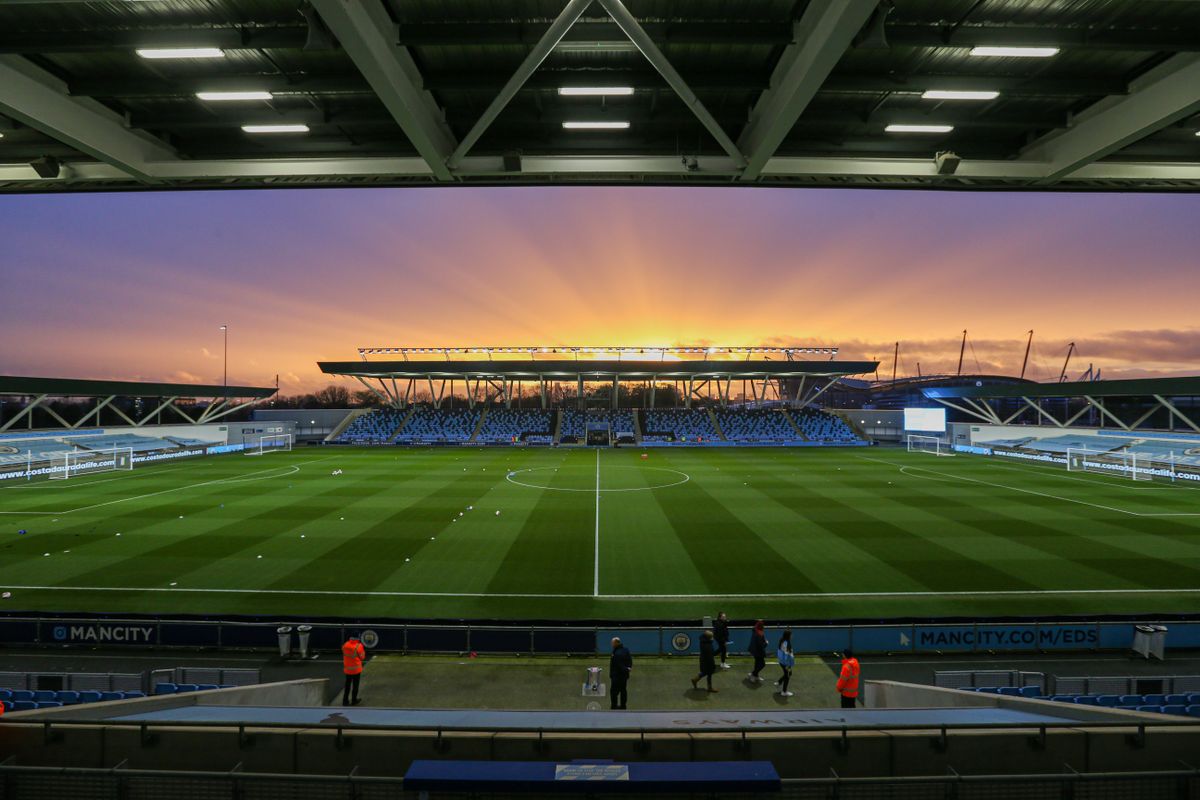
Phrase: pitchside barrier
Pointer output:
(1029, 637)
(1122, 464)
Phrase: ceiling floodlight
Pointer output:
(275, 128)
(1015, 52)
(181, 52)
(595, 91)
(595, 126)
(950, 94)
(919, 128)
(221, 97)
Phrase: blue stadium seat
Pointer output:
(989, 689)
(186, 687)
(1174, 708)
(49, 704)
(132, 695)
(165, 688)
(43, 696)
(1010, 691)
(67, 698)
(24, 705)
(1130, 700)
(1087, 700)
(1063, 698)
(1155, 709)
(107, 696)
(1176, 700)
(1154, 699)
(1192, 710)
(1193, 699)
(1108, 700)
(5, 694)
(1030, 691)
(22, 696)
(89, 696)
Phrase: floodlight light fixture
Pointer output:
(595, 91)
(282, 128)
(180, 52)
(997, 51)
(899, 128)
(595, 125)
(954, 94)
(222, 97)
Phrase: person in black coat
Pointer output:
(620, 664)
(708, 660)
(758, 649)
(721, 634)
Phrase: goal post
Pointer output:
(929, 444)
(273, 443)
(1121, 463)
(73, 463)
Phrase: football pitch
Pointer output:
(572, 534)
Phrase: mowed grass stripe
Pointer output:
(368, 557)
(729, 554)
(553, 553)
(207, 539)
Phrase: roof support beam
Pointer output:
(36, 98)
(822, 36)
(654, 55)
(1164, 95)
(550, 39)
(367, 34)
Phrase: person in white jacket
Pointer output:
(787, 660)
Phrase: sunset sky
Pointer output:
(135, 286)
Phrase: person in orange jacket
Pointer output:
(847, 684)
(353, 655)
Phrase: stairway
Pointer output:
(478, 426)
(637, 425)
(411, 410)
(795, 426)
(345, 423)
(712, 415)
(851, 424)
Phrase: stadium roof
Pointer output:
(1136, 387)
(782, 92)
(563, 369)
(75, 387)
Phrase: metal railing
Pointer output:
(120, 782)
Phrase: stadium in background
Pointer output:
(868, 324)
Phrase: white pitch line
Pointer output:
(752, 596)
(596, 568)
(1038, 494)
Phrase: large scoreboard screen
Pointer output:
(925, 420)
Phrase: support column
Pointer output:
(616, 387)
(579, 392)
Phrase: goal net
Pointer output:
(1121, 463)
(268, 444)
(929, 444)
(74, 463)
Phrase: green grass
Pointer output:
(806, 533)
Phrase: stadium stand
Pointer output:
(512, 424)
(1180, 704)
(824, 428)
(138, 444)
(1061, 444)
(434, 426)
(37, 449)
(675, 424)
(756, 425)
(575, 422)
(377, 427)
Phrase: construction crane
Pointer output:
(1025, 363)
(1062, 376)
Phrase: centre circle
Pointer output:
(529, 478)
